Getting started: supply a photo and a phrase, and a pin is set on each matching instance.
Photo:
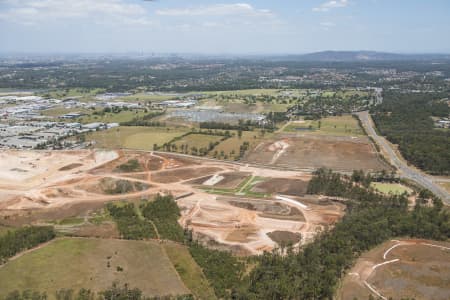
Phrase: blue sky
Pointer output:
(221, 27)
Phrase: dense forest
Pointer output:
(405, 119)
(131, 226)
(17, 240)
(164, 213)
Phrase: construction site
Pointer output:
(237, 207)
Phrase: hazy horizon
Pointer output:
(223, 27)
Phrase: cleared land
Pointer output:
(233, 207)
(93, 264)
(134, 137)
(308, 151)
(414, 269)
(244, 225)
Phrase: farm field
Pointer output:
(339, 125)
(231, 147)
(394, 188)
(93, 264)
(134, 137)
(196, 140)
(191, 274)
(399, 269)
(123, 116)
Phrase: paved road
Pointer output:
(405, 171)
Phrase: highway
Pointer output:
(405, 171)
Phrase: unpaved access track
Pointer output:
(405, 171)
(403, 268)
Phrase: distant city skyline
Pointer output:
(223, 27)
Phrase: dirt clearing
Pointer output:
(307, 151)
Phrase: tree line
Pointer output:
(17, 240)
(115, 292)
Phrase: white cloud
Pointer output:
(38, 11)
(327, 24)
(236, 9)
(331, 4)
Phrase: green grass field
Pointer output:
(230, 147)
(134, 137)
(197, 140)
(123, 116)
(338, 125)
(191, 274)
(394, 188)
(74, 263)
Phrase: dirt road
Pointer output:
(405, 171)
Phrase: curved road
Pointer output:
(405, 171)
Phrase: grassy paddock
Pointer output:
(394, 188)
(93, 264)
(134, 137)
(230, 147)
(338, 125)
(191, 274)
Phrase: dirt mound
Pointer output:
(114, 186)
(70, 167)
(285, 237)
(269, 209)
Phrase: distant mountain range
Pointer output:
(361, 56)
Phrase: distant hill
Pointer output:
(365, 56)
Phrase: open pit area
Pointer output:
(305, 151)
(400, 269)
(230, 206)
